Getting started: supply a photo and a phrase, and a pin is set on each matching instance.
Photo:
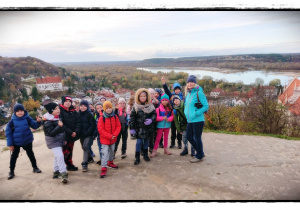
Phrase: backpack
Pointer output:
(104, 118)
(12, 126)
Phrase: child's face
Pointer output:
(20, 113)
(122, 105)
(156, 94)
(177, 102)
(143, 97)
(191, 85)
(108, 110)
(177, 91)
(153, 95)
(164, 102)
(67, 103)
(99, 108)
(83, 108)
(56, 111)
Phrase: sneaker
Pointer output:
(56, 175)
(172, 145)
(36, 170)
(99, 162)
(72, 168)
(184, 152)
(84, 167)
(64, 177)
(103, 172)
(90, 160)
(195, 160)
(110, 164)
(123, 156)
(11, 175)
(179, 147)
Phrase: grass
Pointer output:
(253, 134)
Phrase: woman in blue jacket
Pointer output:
(195, 106)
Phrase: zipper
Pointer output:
(110, 128)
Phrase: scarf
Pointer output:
(147, 108)
(50, 117)
(106, 115)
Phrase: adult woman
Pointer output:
(195, 106)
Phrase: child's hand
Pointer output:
(60, 123)
(11, 148)
(38, 119)
(73, 134)
(165, 118)
(65, 142)
(163, 80)
(113, 137)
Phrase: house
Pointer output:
(49, 84)
(216, 92)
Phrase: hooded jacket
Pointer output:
(22, 134)
(192, 113)
(72, 122)
(88, 124)
(138, 117)
(168, 92)
(111, 127)
(161, 112)
(180, 118)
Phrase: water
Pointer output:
(247, 77)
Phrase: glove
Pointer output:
(148, 122)
(132, 132)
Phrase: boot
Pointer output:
(137, 158)
(56, 175)
(72, 168)
(84, 166)
(146, 157)
(103, 172)
(110, 164)
(166, 151)
(184, 151)
(64, 177)
(154, 153)
(123, 155)
(90, 159)
(36, 170)
(11, 175)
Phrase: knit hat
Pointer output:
(99, 103)
(175, 97)
(159, 91)
(122, 100)
(164, 97)
(64, 98)
(106, 105)
(18, 107)
(191, 78)
(176, 85)
(85, 103)
(102, 98)
(50, 107)
(151, 90)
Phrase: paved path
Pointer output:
(235, 168)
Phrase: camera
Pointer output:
(198, 105)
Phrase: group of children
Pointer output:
(149, 115)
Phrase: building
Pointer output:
(49, 84)
(216, 92)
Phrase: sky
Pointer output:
(81, 36)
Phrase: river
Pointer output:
(247, 77)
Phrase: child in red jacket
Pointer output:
(109, 128)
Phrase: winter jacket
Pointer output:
(180, 118)
(160, 113)
(97, 117)
(168, 92)
(111, 127)
(138, 117)
(123, 117)
(22, 134)
(192, 113)
(54, 134)
(71, 119)
(88, 124)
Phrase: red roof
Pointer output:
(217, 90)
(295, 108)
(289, 90)
(115, 84)
(48, 80)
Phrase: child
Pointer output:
(142, 120)
(109, 128)
(158, 93)
(128, 111)
(181, 122)
(71, 120)
(164, 118)
(177, 91)
(18, 134)
(121, 113)
(88, 127)
(102, 99)
(97, 115)
(54, 131)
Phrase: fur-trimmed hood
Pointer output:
(137, 94)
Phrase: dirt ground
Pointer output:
(235, 168)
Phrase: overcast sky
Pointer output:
(73, 36)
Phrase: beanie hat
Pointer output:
(64, 98)
(159, 91)
(151, 90)
(85, 103)
(18, 107)
(50, 107)
(191, 78)
(175, 97)
(99, 103)
(102, 98)
(121, 100)
(164, 97)
(176, 85)
(106, 105)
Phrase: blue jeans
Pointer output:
(139, 144)
(99, 147)
(193, 135)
